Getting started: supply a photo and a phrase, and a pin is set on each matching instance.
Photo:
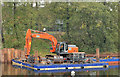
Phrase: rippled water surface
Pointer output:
(8, 69)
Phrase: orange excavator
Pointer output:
(41, 35)
(60, 48)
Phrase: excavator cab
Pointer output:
(62, 48)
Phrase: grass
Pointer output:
(109, 52)
(42, 46)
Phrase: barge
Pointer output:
(40, 67)
(62, 70)
(110, 61)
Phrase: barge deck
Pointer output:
(40, 67)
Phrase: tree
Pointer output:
(91, 25)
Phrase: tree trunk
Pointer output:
(14, 20)
(67, 24)
(0, 26)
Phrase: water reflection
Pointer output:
(8, 69)
(0, 70)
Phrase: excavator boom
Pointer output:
(41, 35)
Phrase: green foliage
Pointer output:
(91, 25)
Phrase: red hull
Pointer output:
(114, 63)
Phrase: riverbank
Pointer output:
(7, 54)
(105, 54)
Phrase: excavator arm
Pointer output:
(41, 35)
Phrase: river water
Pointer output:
(8, 69)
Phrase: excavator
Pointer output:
(59, 48)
